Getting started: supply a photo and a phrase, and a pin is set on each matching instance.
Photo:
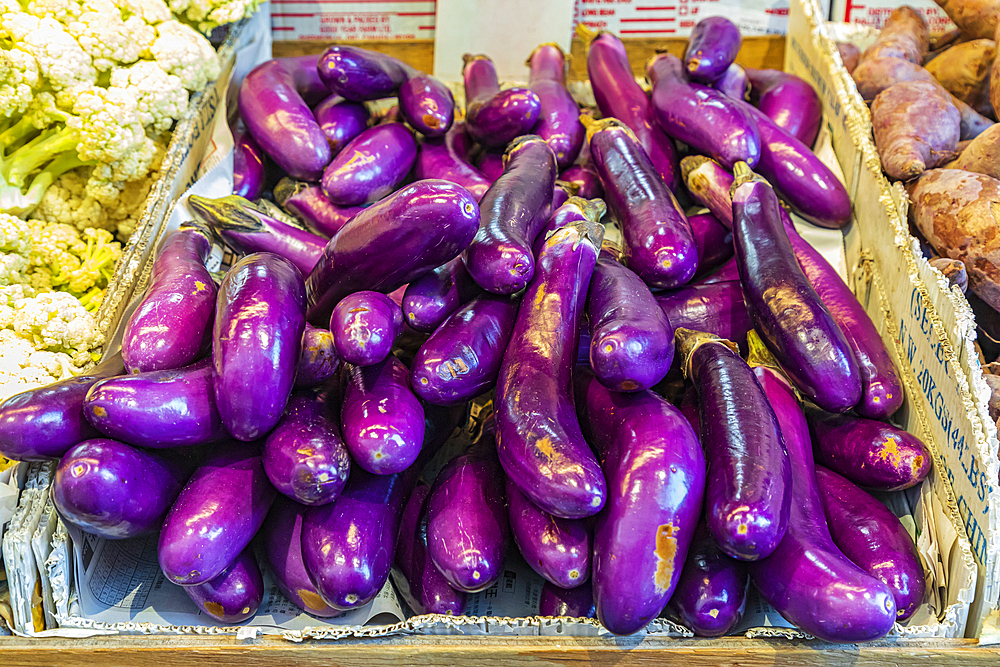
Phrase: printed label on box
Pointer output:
(873, 13)
(352, 20)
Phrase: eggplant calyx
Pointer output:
(592, 209)
(231, 212)
(744, 174)
(691, 163)
(689, 340)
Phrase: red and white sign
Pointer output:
(352, 20)
(873, 13)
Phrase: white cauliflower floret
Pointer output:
(211, 13)
(181, 51)
(57, 321)
(9, 298)
(18, 80)
(66, 201)
(108, 37)
(23, 368)
(60, 58)
(151, 11)
(57, 365)
(13, 269)
(108, 122)
(160, 97)
(15, 235)
(60, 10)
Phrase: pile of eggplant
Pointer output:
(426, 257)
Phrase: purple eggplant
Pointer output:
(417, 229)
(512, 213)
(358, 74)
(257, 342)
(273, 107)
(711, 593)
(701, 117)
(318, 361)
(169, 327)
(307, 203)
(158, 409)
(716, 308)
(233, 596)
(568, 602)
(304, 456)
(491, 164)
(115, 491)
(382, 421)
(341, 120)
(734, 83)
(42, 424)
(747, 493)
(429, 300)
(467, 525)
(728, 272)
(426, 104)
(807, 579)
(658, 244)
(713, 240)
(365, 325)
(783, 306)
(559, 122)
(540, 443)
(585, 178)
(619, 96)
(371, 166)
(869, 452)
(215, 516)
(440, 157)
(874, 539)
(248, 165)
(789, 101)
(281, 547)
(557, 549)
(495, 117)
(577, 210)
(711, 49)
(462, 358)
(656, 475)
(709, 185)
(631, 340)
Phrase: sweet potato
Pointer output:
(958, 212)
(964, 71)
(904, 35)
(982, 155)
(973, 122)
(874, 76)
(849, 54)
(976, 19)
(916, 128)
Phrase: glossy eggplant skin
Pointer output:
(304, 456)
(874, 539)
(540, 444)
(42, 424)
(168, 328)
(115, 491)
(341, 120)
(631, 340)
(807, 579)
(272, 107)
(430, 299)
(701, 117)
(734, 83)
(235, 595)
(728, 272)
(441, 157)
(709, 185)
(658, 244)
(365, 326)
(319, 361)
(572, 602)
(491, 164)
(158, 409)
(512, 211)
(711, 594)
(656, 475)
(281, 546)
(462, 358)
(789, 101)
(307, 203)
(359, 75)
(871, 453)
(747, 493)
(711, 49)
(382, 420)
(215, 516)
(418, 228)
(559, 122)
(370, 166)
(495, 117)
(713, 240)
(784, 307)
(716, 308)
(426, 104)
(248, 165)
(557, 549)
(586, 180)
(619, 96)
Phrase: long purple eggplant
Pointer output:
(656, 475)
(417, 229)
(631, 340)
(215, 516)
(247, 229)
(256, 343)
(365, 326)
(441, 157)
(788, 100)
(371, 166)
(709, 184)
(500, 259)
(491, 164)
(42, 424)
(272, 106)
(713, 240)
(559, 122)
(233, 596)
(341, 120)
(318, 361)
(158, 409)
(747, 493)
(711, 49)
(557, 549)
(426, 104)
(783, 306)
(869, 452)
(248, 165)
(169, 327)
(701, 117)
(619, 96)
(429, 300)
(494, 117)
(874, 539)
(734, 83)
(570, 602)
(586, 180)
(807, 579)
(715, 308)
(359, 75)
(540, 443)
(307, 203)
(728, 272)
(115, 491)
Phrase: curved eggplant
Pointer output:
(359, 75)
(728, 272)
(495, 117)
(559, 121)
(715, 308)
(709, 185)
(734, 83)
(365, 326)
(713, 240)
(788, 100)
(586, 180)
(711, 49)
(431, 299)
(426, 104)
(319, 361)
(569, 602)
(233, 596)
(248, 165)
(341, 120)
(307, 203)
(371, 166)
(444, 158)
